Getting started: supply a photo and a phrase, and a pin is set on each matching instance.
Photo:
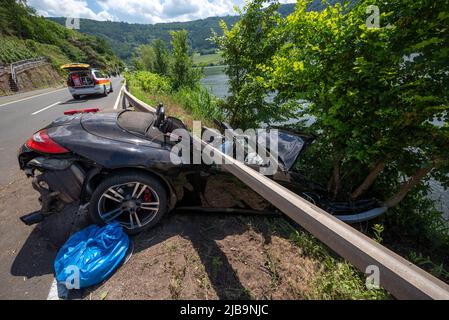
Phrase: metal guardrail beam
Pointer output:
(136, 103)
(400, 277)
(19, 66)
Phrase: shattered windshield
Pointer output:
(289, 146)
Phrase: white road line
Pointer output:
(118, 98)
(43, 109)
(31, 97)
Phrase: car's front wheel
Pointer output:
(137, 201)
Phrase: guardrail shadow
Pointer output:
(199, 229)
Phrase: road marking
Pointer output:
(118, 98)
(43, 109)
(31, 97)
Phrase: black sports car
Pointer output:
(118, 167)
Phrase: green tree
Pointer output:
(379, 95)
(145, 58)
(246, 46)
(182, 71)
(161, 57)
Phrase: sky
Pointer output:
(138, 11)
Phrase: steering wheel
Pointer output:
(160, 115)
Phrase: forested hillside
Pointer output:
(125, 37)
(24, 35)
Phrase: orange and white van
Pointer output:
(83, 80)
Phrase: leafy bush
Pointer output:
(196, 103)
(149, 82)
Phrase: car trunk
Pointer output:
(81, 79)
(80, 75)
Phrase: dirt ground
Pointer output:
(187, 256)
(196, 256)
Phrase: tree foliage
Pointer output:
(161, 57)
(182, 71)
(379, 96)
(244, 47)
(154, 58)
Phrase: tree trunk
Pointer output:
(369, 180)
(334, 183)
(407, 186)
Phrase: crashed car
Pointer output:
(117, 166)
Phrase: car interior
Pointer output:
(149, 125)
(80, 79)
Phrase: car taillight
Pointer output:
(41, 142)
(96, 81)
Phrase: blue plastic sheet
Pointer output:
(91, 255)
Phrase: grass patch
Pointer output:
(337, 279)
(187, 104)
(206, 60)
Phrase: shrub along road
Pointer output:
(26, 253)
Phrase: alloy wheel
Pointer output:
(132, 204)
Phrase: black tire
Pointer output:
(124, 181)
(76, 97)
(111, 89)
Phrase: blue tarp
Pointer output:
(94, 252)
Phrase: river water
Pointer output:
(216, 82)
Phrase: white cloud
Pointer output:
(139, 11)
(67, 8)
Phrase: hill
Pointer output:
(25, 35)
(125, 37)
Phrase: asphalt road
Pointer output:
(27, 253)
(19, 119)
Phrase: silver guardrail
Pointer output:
(19, 66)
(400, 277)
